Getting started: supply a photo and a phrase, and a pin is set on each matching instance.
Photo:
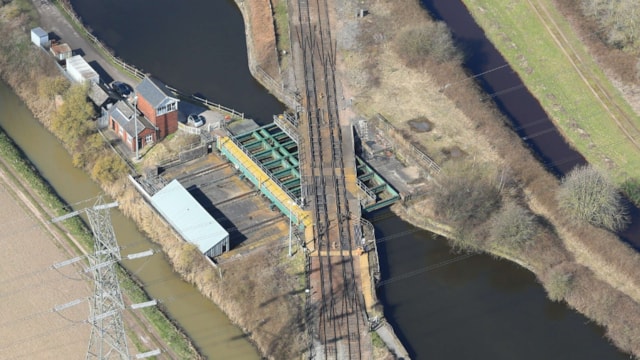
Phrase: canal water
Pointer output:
(453, 307)
(210, 329)
(199, 48)
(513, 99)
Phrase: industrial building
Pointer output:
(190, 219)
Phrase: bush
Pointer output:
(70, 122)
(432, 40)
(466, 195)
(513, 227)
(109, 168)
(589, 196)
(50, 86)
(619, 19)
(560, 284)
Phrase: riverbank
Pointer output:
(73, 239)
(602, 269)
(250, 306)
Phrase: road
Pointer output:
(53, 21)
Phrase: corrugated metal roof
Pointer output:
(154, 91)
(188, 217)
(78, 63)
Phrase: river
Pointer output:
(469, 308)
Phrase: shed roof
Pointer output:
(188, 217)
(98, 94)
(77, 62)
(60, 48)
(154, 91)
(38, 31)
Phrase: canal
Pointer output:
(207, 325)
(462, 308)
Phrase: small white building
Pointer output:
(190, 219)
(61, 51)
(80, 71)
(39, 37)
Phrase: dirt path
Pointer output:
(52, 20)
(622, 120)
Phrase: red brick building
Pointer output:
(125, 124)
(154, 100)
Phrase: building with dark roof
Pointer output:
(125, 123)
(157, 103)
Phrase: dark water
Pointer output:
(513, 99)
(197, 46)
(475, 308)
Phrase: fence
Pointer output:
(290, 98)
(409, 149)
(109, 53)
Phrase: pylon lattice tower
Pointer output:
(108, 339)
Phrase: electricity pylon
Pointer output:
(108, 339)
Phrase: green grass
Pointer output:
(281, 18)
(547, 72)
(167, 330)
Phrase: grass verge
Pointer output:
(29, 176)
(557, 69)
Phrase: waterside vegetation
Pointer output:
(584, 265)
(263, 299)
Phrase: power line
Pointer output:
(424, 269)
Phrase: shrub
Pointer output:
(512, 227)
(50, 86)
(466, 195)
(560, 284)
(619, 19)
(587, 195)
(109, 168)
(432, 40)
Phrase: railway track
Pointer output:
(338, 320)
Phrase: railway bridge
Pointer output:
(329, 182)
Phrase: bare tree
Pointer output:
(512, 227)
(466, 196)
(432, 40)
(587, 195)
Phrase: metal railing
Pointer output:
(287, 127)
(137, 73)
(289, 97)
(370, 195)
(259, 164)
(417, 153)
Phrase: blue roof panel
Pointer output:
(188, 217)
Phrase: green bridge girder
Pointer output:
(278, 153)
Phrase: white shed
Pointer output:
(80, 71)
(39, 37)
(190, 219)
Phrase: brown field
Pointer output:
(29, 329)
